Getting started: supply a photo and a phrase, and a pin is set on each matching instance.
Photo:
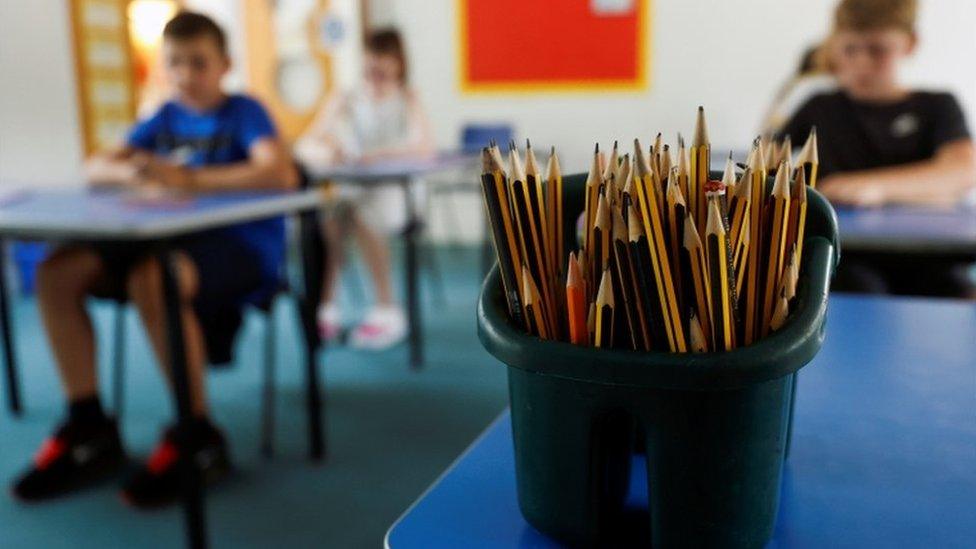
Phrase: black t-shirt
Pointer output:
(854, 135)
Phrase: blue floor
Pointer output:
(391, 432)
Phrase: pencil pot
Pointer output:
(716, 424)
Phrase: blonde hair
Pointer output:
(865, 15)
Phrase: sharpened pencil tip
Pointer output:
(596, 148)
(528, 144)
(511, 145)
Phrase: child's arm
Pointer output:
(320, 146)
(943, 180)
(419, 142)
(268, 166)
(119, 167)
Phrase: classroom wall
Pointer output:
(39, 138)
(732, 65)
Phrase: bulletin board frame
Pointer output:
(640, 83)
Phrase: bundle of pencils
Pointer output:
(668, 259)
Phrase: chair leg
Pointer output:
(434, 273)
(118, 361)
(268, 394)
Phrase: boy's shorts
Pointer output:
(229, 275)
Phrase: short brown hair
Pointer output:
(863, 15)
(187, 25)
(387, 41)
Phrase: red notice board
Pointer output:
(512, 45)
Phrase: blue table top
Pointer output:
(908, 229)
(396, 169)
(86, 213)
(884, 447)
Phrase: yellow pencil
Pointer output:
(666, 298)
(534, 315)
(751, 290)
(777, 219)
(697, 340)
(723, 317)
(593, 181)
(700, 157)
(698, 292)
(798, 213)
(809, 158)
(603, 332)
(504, 232)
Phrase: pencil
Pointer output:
(676, 210)
(655, 153)
(665, 162)
(666, 311)
(626, 288)
(739, 255)
(600, 257)
(593, 181)
(591, 321)
(739, 208)
(683, 170)
(537, 195)
(789, 277)
(525, 205)
(751, 324)
(534, 317)
(780, 311)
(502, 233)
(604, 312)
(554, 192)
(576, 303)
(809, 159)
(697, 340)
(777, 219)
(722, 316)
(613, 164)
(698, 292)
(798, 213)
(700, 157)
(646, 294)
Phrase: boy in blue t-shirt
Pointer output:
(202, 140)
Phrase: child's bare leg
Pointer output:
(332, 233)
(376, 254)
(145, 287)
(63, 282)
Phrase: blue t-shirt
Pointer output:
(223, 135)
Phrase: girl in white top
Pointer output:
(380, 121)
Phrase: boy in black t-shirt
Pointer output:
(882, 143)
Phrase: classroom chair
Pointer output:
(266, 309)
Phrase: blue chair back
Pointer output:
(476, 136)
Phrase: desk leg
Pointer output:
(313, 258)
(10, 363)
(410, 233)
(192, 483)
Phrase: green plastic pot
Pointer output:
(716, 425)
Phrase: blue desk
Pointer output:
(82, 214)
(884, 446)
(899, 229)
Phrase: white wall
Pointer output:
(39, 138)
(732, 65)
(741, 52)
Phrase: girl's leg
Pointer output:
(375, 248)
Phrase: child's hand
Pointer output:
(854, 191)
(159, 171)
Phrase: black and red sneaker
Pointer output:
(157, 483)
(78, 455)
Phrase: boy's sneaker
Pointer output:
(158, 482)
(329, 321)
(78, 455)
(382, 328)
